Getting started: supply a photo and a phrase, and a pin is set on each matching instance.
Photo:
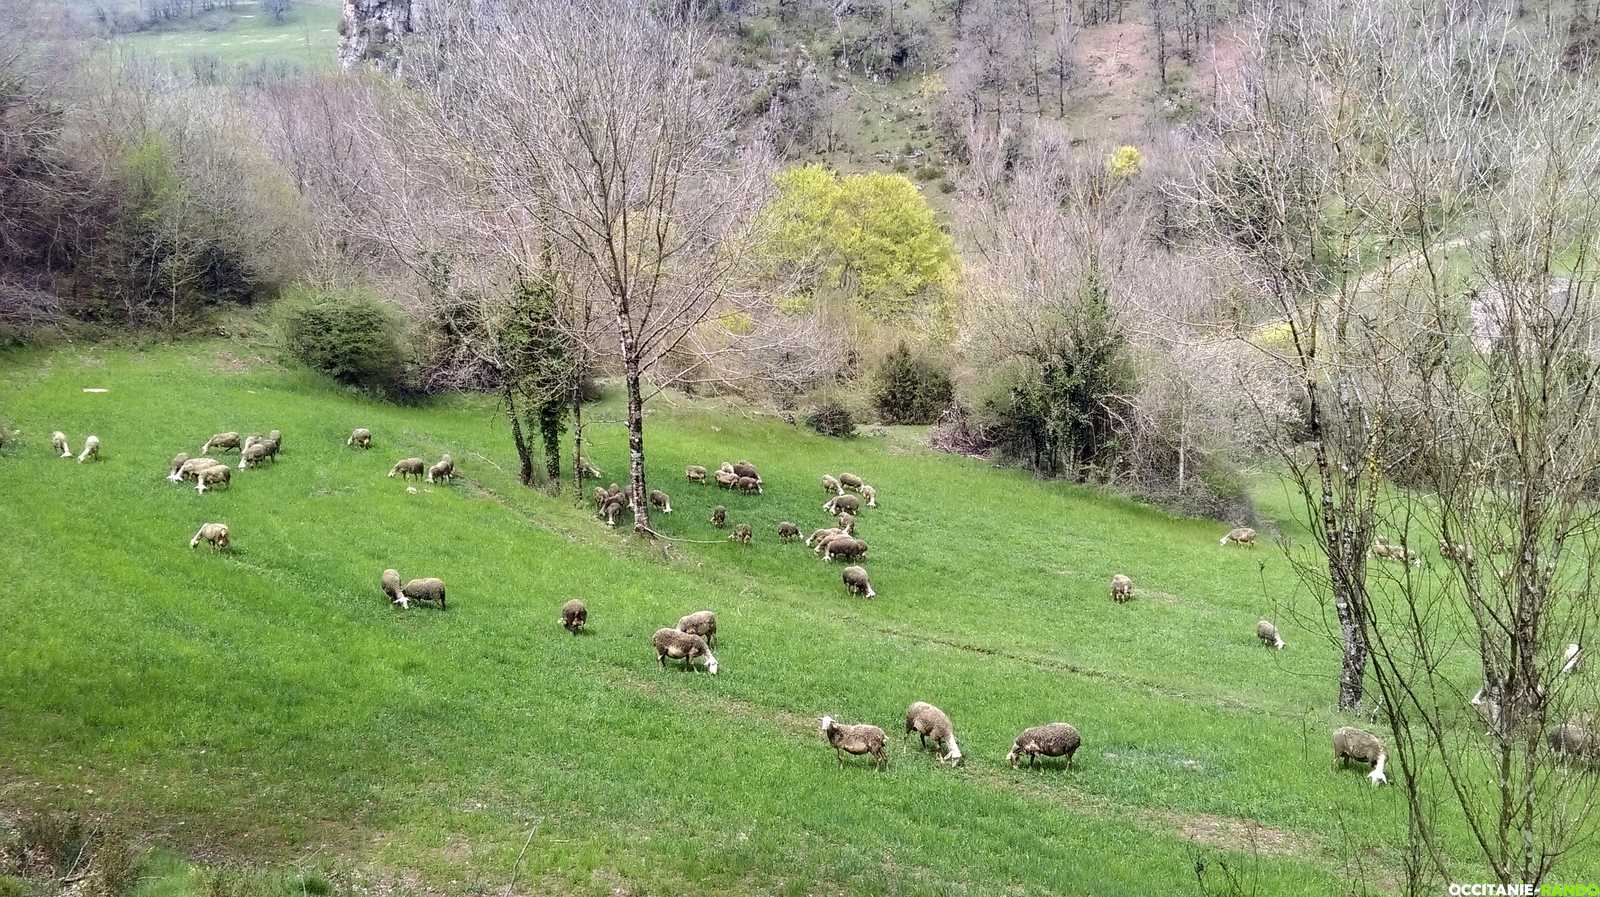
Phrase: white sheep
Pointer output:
(58, 441)
(91, 449)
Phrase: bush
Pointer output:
(830, 417)
(351, 338)
(910, 389)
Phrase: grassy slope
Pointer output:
(267, 702)
(307, 36)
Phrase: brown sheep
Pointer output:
(1240, 535)
(1350, 743)
(788, 532)
(719, 517)
(702, 623)
(857, 739)
(407, 467)
(741, 534)
(1121, 588)
(682, 646)
(856, 580)
(1050, 740)
(659, 499)
(574, 616)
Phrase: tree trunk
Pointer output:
(550, 433)
(524, 454)
(577, 436)
(641, 508)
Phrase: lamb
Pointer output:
(178, 461)
(831, 485)
(845, 547)
(58, 441)
(850, 481)
(870, 494)
(929, 721)
(719, 517)
(682, 646)
(253, 455)
(842, 503)
(190, 469)
(389, 583)
(748, 485)
(702, 623)
(727, 479)
(694, 473)
(426, 589)
(360, 437)
(847, 523)
(444, 470)
(855, 579)
(788, 532)
(574, 616)
(407, 467)
(659, 499)
(741, 534)
(221, 442)
(746, 469)
(91, 449)
(1268, 634)
(213, 476)
(214, 533)
(1350, 743)
(1121, 588)
(1050, 740)
(855, 739)
(1239, 535)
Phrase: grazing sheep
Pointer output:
(1571, 659)
(389, 582)
(702, 623)
(178, 461)
(1268, 634)
(599, 499)
(254, 454)
(276, 438)
(929, 721)
(854, 739)
(817, 537)
(221, 442)
(850, 481)
(1456, 551)
(842, 503)
(1239, 535)
(214, 533)
(190, 469)
(847, 522)
(1350, 743)
(719, 517)
(741, 534)
(1395, 552)
(613, 489)
(360, 437)
(253, 439)
(870, 494)
(746, 469)
(659, 499)
(845, 547)
(407, 467)
(1576, 739)
(91, 449)
(748, 485)
(574, 615)
(682, 646)
(426, 589)
(444, 470)
(694, 473)
(788, 532)
(1121, 588)
(58, 441)
(726, 479)
(612, 507)
(1050, 740)
(855, 579)
(214, 476)
(831, 485)
(726, 466)
(587, 470)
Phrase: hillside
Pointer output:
(266, 705)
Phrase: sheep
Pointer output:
(719, 517)
(389, 583)
(1121, 588)
(1571, 659)
(214, 533)
(1268, 634)
(587, 470)
(746, 469)
(854, 739)
(1239, 535)
(611, 507)
(91, 449)
(426, 589)
(682, 646)
(1394, 552)
(1050, 740)
(702, 623)
(788, 532)
(850, 481)
(929, 721)
(726, 479)
(214, 476)
(58, 441)
(748, 485)
(1456, 551)
(831, 485)
(253, 455)
(574, 616)
(845, 547)
(276, 438)
(190, 469)
(252, 439)
(818, 538)
(870, 494)
(221, 442)
(847, 523)
(407, 467)
(855, 579)
(178, 461)
(360, 437)
(444, 470)
(1350, 743)
(726, 466)
(659, 499)
(842, 503)
(613, 489)
(1575, 739)
(694, 473)
(741, 534)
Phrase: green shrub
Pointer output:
(909, 388)
(351, 338)
(830, 417)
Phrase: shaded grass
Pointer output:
(307, 36)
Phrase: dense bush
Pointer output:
(909, 388)
(351, 338)
(831, 417)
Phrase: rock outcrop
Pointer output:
(370, 31)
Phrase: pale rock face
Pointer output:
(370, 30)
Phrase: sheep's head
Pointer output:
(825, 724)
(953, 756)
(1376, 775)
(1012, 757)
(711, 663)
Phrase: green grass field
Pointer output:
(265, 705)
(307, 36)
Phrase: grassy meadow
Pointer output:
(265, 705)
(307, 36)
